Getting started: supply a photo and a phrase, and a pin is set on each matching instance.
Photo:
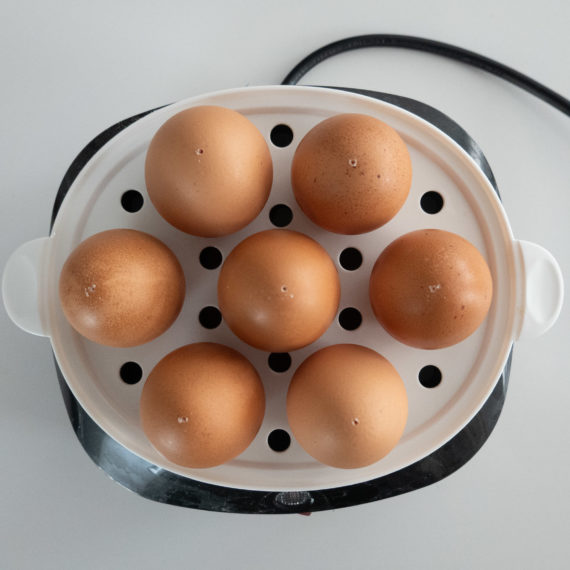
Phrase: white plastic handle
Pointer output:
(22, 282)
(543, 290)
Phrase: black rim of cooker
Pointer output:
(161, 485)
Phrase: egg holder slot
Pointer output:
(450, 416)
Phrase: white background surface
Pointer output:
(70, 69)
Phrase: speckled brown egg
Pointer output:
(278, 290)
(208, 171)
(351, 173)
(431, 288)
(202, 405)
(347, 406)
(121, 288)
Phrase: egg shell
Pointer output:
(351, 173)
(202, 405)
(347, 406)
(278, 290)
(208, 171)
(431, 289)
(121, 288)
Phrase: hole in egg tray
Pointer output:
(469, 370)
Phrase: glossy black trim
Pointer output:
(163, 486)
(440, 120)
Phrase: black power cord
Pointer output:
(430, 46)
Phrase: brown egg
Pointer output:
(431, 289)
(278, 290)
(202, 405)
(351, 173)
(121, 288)
(347, 406)
(208, 171)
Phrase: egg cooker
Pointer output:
(455, 394)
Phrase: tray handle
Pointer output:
(22, 291)
(542, 291)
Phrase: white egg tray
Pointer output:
(527, 288)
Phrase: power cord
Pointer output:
(439, 48)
